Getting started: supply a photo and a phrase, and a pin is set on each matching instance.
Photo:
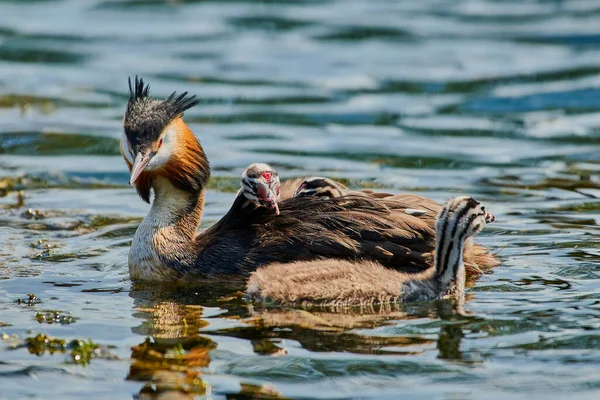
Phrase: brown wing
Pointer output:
(354, 227)
(362, 227)
(351, 227)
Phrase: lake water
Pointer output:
(495, 99)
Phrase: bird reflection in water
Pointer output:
(171, 360)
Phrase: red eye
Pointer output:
(267, 176)
(160, 143)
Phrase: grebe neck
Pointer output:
(176, 209)
(163, 242)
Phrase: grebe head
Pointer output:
(260, 184)
(462, 217)
(156, 141)
(318, 186)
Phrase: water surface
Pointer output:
(496, 99)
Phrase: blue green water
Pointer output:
(495, 99)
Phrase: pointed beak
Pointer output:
(267, 197)
(274, 206)
(139, 164)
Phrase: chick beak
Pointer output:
(274, 206)
(267, 197)
(139, 164)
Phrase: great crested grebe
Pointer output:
(165, 156)
(342, 282)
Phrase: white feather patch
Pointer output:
(125, 148)
(415, 212)
(166, 151)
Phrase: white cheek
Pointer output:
(164, 153)
(125, 148)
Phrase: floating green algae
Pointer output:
(54, 317)
(29, 300)
(42, 343)
(80, 352)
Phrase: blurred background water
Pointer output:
(496, 99)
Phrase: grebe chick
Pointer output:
(324, 188)
(260, 183)
(340, 282)
(327, 188)
(166, 159)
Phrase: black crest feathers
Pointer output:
(180, 103)
(172, 107)
(139, 91)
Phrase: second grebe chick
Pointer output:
(327, 188)
(341, 282)
(318, 186)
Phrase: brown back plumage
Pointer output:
(349, 228)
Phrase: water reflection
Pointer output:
(169, 359)
(176, 352)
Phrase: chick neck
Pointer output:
(449, 266)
